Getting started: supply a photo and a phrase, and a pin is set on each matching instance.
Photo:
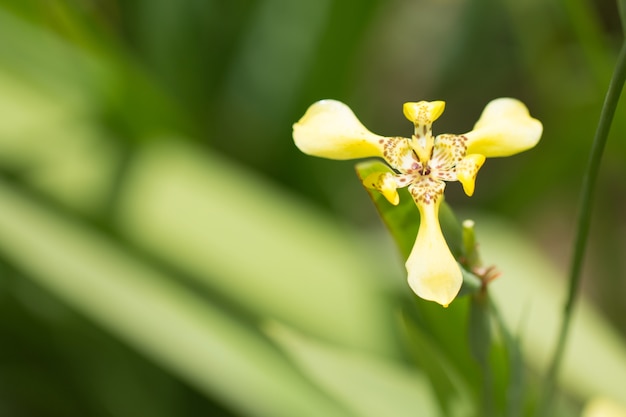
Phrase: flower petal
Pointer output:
(433, 273)
(385, 182)
(504, 128)
(423, 112)
(426, 190)
(448, 151)
(331, 130)
(467, 169)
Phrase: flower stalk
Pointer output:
(583, 223)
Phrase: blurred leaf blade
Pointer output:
(427, 320)
(211, 219)
(370, 386)
(621, 7)
(453, 392)
(529, 283)
(479, 329)
(84, 83)
(515, 387)
(141, 306)
(76, 156)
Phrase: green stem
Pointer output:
(515, 389)
(584, 220)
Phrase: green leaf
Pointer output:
(368, 385)
(237, 236)
(480, 344)
(198, 341)
(515, 387)
(471, 283)
(479, 328)
(454, 396)
(443, 327)
(531, 294)
(402, 220)
(227, 230)
(621, 6)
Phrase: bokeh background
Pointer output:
(161, 236)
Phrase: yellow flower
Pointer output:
(423, 163)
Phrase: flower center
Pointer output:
(422, 143)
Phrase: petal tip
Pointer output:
(329, 129)
(440, 289)
(385, 183)
(504, 128)
(467, 170)
(433, 273)
(423, 112)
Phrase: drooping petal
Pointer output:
(385, 182)
(331, 130)
(467, 169)
(504, 128)
(433, 273)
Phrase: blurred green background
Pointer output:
(165, 250)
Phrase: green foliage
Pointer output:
(402, 220)
(366, 385)
(166, 251)
(621, 5)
